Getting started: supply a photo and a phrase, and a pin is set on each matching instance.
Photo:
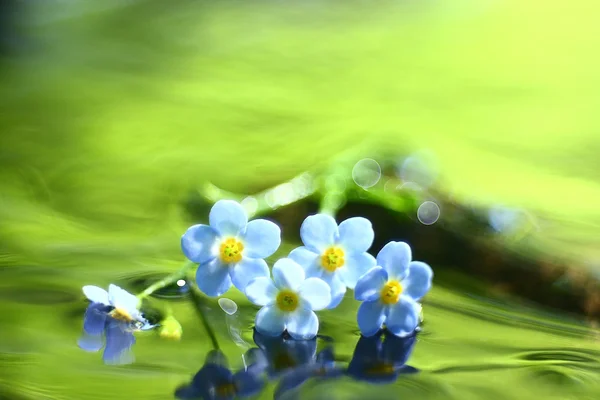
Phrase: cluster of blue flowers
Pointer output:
(334, 258)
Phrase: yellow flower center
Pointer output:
(390, 293)
(231, 251)
(226, 390)
(121, 314)
(287, 300)
(380, 369)
(332, 259)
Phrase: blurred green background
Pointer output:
(114, 114)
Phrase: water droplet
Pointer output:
(366, 173)
(228, 305)
(181, 282)
(428, 213)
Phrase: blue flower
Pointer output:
(110, 322)
(284, 354)
(390, 291)
(123, 305)
(230, 249)
(336, 254)
(289, 301)
(214, 381)
(378, 361)
(324, 367)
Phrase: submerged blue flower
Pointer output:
(215, 381)
(378, 361)
(390, 291)
(230, 249)
(324, 367)
(289, 301)
(110, 322)
(336, 254)
(284, 354)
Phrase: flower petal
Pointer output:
(370, 317)
(246, 270)
(198, 243)
(228, 218)
(287, 274)
(319, 232)
(403, 317)
(119, 341)
(94, 319)
(356, 266)
(316, 293)
(261, 239)
(213, 278)
(337, 287)
(308, 260)
(370, 284)
(120, 298)
(356, 235)
(91, 343)
(270, 321)
(96, 294)
(394, 258)
(418, 281)
(303, 324)
(261, 291)
(248, 383)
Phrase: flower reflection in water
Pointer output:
(283, 353)
(215, 381)
(324, 367)
(381, 358)
(99, 327)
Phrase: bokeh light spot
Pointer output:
(428, 213)
(366, 173)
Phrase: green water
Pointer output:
(115, 118)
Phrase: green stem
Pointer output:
(168, 280)
(197, 299)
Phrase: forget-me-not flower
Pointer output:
(381, 361)
(230, 249)
(336, 254)
(110, 322)
(216, 381)
(289, 301)
(123, 305)
(283, 354)
(390, 291)
(323, 368)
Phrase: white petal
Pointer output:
(356, 235)
(270, 321)
(287, 274)
(246, 270)
(120, 298)
(261, 291)
(96, 294)
(228, 218)
(371, 317)
(303, 324)
(356, 266)
(316, 293)
(319, 232)
(213, 278)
